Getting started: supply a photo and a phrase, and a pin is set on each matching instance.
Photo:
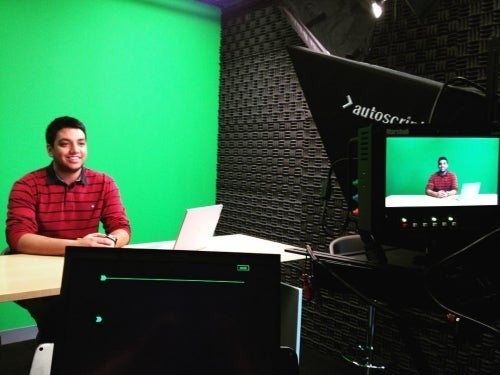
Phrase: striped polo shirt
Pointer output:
(442, 181)
(40, 203)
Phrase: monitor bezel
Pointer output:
(454, 225)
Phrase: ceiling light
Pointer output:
(377, 8)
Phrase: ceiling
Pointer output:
(232, 4)
(419, 7)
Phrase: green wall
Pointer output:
(142, 75)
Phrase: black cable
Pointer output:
(333, 274)
(326, 194)
(431, 268)
(444, 86)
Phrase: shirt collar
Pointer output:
(54, 179)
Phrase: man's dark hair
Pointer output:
(442, 158)
(61, 123)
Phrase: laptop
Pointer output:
(469, 190)
(198, 227)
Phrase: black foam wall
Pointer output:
(272, 166)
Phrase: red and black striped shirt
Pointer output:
(442, 181)
(40, 203)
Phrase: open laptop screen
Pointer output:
(198, 227)
(130, 311)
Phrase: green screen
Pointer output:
(142, 75)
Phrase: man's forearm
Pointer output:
(41, 245)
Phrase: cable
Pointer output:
(444, 86)
(397, 315)
(446, 259)
(326, 193)
(326, 190)
(366, 299)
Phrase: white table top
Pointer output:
(238, 243)
(31, 276)
(427, 201)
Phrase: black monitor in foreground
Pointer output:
(139, 311)
(396, 167)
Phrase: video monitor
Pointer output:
(143, 311)
(421, 186)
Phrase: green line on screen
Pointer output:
(106, 278)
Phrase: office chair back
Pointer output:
(347, 244)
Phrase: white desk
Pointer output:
(427, 201)
(31, 276)
(235, 243)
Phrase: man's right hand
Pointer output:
(95, 240)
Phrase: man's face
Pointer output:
(442, 165)
(69, 150)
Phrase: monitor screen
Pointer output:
(419, 187)
(131, 311)
(412, 163)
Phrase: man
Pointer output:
(63, 205)
(442, 183)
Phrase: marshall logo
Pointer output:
(397, 131)
(378, 116)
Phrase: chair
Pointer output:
(42, 359)
(347, 245)
(364, 356)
